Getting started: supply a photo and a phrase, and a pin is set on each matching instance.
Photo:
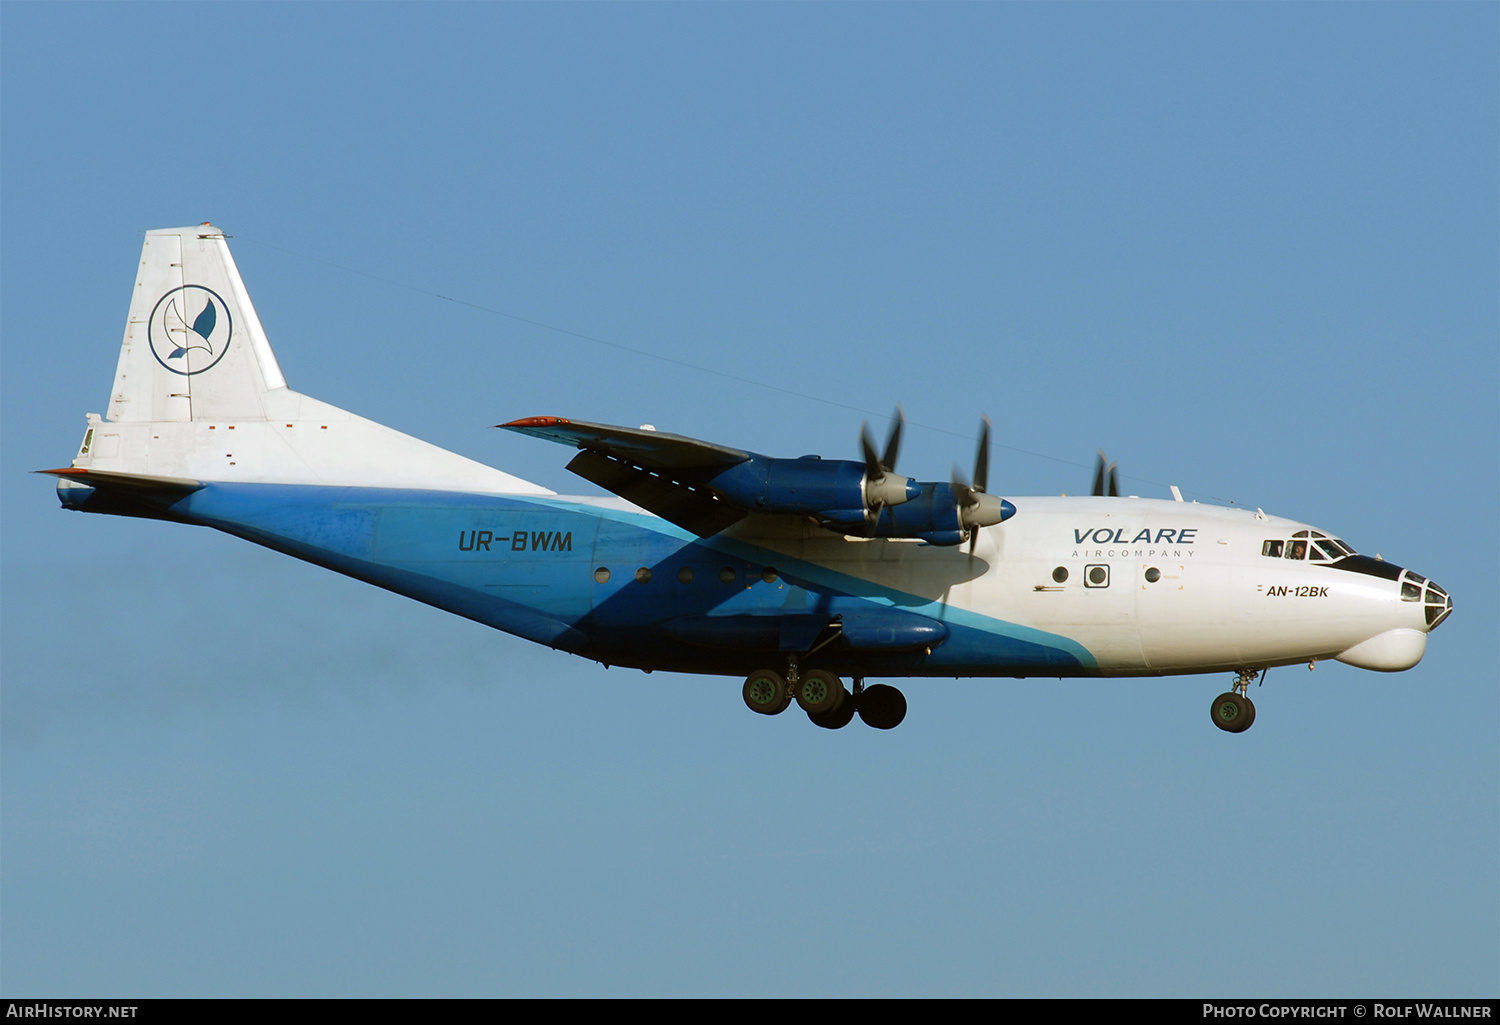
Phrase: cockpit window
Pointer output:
(1306, 544)
(1438, 605)
(1329, 548)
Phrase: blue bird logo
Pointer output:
(175, 338)
(202, 327)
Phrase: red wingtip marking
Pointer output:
(536, 421)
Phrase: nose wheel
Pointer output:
(1233, 711)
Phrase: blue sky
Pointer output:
(1250, 250)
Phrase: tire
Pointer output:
(882, 706)
(765, 692)
(1232, 713)
(819, 692)
(840, 717)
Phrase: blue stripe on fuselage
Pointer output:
(527, 565)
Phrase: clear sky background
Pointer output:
(1247, 249)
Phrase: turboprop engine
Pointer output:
(840, 493)
(944, 514)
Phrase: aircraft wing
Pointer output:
(660, 472)
(655, 450)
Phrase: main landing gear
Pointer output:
(1233, 711)
(824, 698)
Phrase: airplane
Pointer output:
(794, 573)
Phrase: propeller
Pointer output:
(977, 508)
(883, 486)
(1100, 473)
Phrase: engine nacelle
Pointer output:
(834, 490)
(937, 517)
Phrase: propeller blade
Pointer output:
(883, 486)
(873, 470)
(963, 498)
(960, 487)
(982, 458)
(1106, 476)
(893, 441)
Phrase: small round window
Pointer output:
(768, 574)
(1153, 575)
(726, 575)
(1060, 575)
(685, 575)
(601, 574)
(643, 575)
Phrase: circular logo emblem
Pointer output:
(190, 329)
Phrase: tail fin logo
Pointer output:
(190, 329)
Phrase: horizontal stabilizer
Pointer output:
(137, 482)
(121, 494)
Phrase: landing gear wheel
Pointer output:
(819, 692)
(840, 716)
(766, 692)
(1232, 713)
(882, 706)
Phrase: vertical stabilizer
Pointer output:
(194, 348)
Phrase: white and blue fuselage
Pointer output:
(600, 579)
(203, 430)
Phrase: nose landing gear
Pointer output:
(1233, 711)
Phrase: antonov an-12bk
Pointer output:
(792, 573)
